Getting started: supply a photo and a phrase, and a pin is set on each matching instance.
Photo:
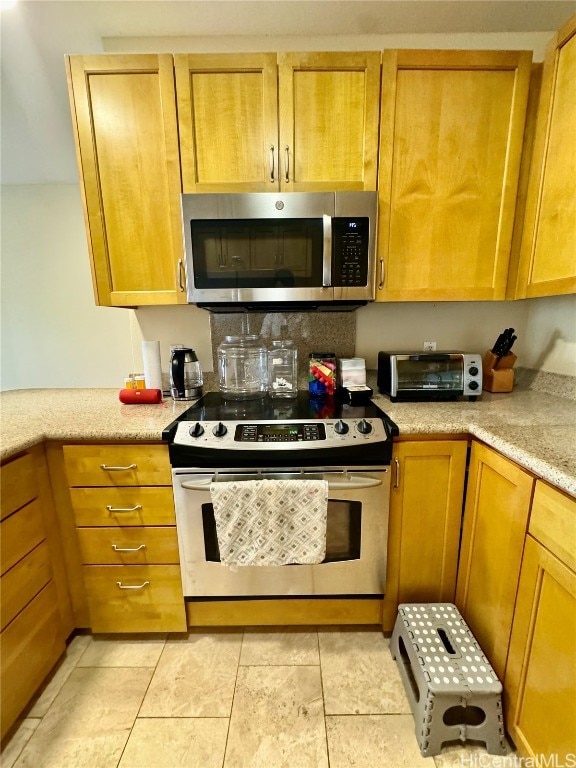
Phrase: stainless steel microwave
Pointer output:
(280, 250)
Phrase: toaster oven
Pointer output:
(429, 375)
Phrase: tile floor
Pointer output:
(227, 699)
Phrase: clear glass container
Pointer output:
(282, 369)
(242, 368)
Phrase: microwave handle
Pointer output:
(327, 258)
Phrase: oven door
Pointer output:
(356, 538)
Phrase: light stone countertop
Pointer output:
(535, 429)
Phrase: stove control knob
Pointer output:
(219, 430)
(364, 427)
(341, 427)
(197, 430)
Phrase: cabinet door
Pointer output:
(424, 529)
(329, 120)
(495, 521)
(548, 252)
(124, 114)
(228, 120)
(451, 134)
(541, 670)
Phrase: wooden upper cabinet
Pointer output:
(124, 116)
(228, 120)
(329, 105)
(548, 251)
(262, 122)
(451, 133)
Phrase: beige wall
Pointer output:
(54, 336)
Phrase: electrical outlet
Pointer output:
(429, 346)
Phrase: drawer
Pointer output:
(20, 533)
(23, 582)
(18, 482)
(130, 506)
(30, 647)
(135, 598)
(117, 465)
(141, 546)
(553, 522)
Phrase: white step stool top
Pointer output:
(447, 669)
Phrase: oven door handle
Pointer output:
(341, 482)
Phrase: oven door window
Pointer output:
(257, 253)
(343, 532)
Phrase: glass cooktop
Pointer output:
(213, 407)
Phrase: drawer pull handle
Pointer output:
(123, 509)
(132, 586)
(117, 469)
(127, 549)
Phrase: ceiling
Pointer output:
(36, 137)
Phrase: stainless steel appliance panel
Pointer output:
(357, 532)
(283, 266)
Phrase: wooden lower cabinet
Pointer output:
(540, 680)
(495, 520)
(424, 529)
(125, 533)
(135, 598)
(29, 648)
(34, 606)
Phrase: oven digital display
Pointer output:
(285, 430)
(280, 433)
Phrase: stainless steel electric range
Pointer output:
(350, 447)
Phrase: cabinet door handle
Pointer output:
(397, 477)
(132, 586)
(127, 549)
(381, 283)
(181, 276)
(123, 509)
(118, 469)
(287, 151)
(272, 164)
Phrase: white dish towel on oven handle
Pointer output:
(270, 522)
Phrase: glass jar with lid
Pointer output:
(242, 368)
(282, 369)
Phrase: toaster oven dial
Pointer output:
(473, 385)
(473, 371)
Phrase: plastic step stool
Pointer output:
(453, 691)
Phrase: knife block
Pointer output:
(498, 373)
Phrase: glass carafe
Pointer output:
(282, 369)
(242, 368)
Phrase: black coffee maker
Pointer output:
(185, 373)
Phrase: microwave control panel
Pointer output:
(350, 249)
